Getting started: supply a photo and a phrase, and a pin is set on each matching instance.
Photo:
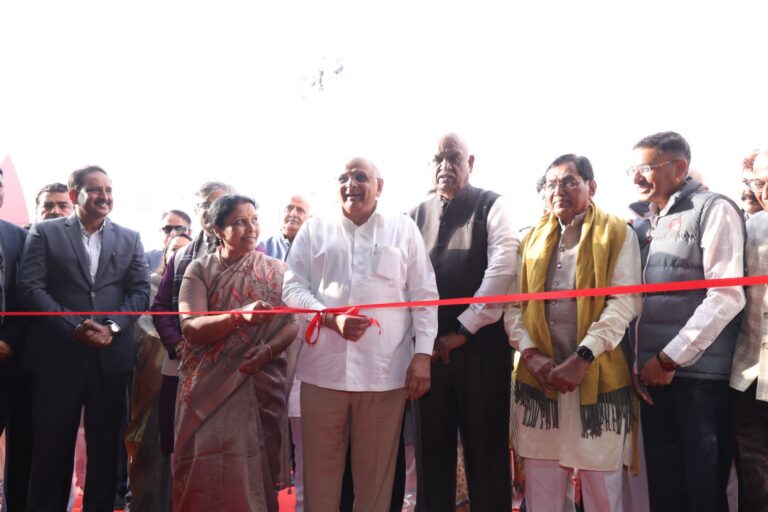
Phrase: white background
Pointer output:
(167, 94)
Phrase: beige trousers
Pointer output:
(330, 420)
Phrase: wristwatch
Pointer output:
(585, 353)
(667, 364)
(113, 327)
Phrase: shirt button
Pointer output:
(559, 265)
(93, 294)
(562, 248)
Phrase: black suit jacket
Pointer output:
(12, 329)
(55, 276)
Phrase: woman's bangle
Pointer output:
(271, 354)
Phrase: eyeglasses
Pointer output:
(203, 207)
(645, 168)
(568, 183)
(756, 186)
(174, 229)
(356, 176)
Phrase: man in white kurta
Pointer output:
(551, 454)
(357, 376)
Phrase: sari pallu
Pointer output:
(229, 425)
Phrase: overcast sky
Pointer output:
(167, 94)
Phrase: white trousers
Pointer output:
(546, 486)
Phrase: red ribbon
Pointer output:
(316, 322)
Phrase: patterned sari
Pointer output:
(229, 425)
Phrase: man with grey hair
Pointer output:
(295, 212)
(167, 299)
(356, 377)
(749, 373)
(684, 340)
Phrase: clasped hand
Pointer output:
(563, 378)
(92, 334)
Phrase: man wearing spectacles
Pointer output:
(167, 299)
(573, 388)
(749, 202)
(749, 374)
(684, 340)
(172, 223)
(355, 379)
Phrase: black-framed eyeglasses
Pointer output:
(174, 229)
(645, 168)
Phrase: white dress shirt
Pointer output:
(722, 246)
(334, 263)
(92, 244)
(750, 359)
(500, 276)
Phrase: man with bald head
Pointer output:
(359, 367)
(295, 213)
(749, 373)
(474, 253)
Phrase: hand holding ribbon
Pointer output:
(346, 321)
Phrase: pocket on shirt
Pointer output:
(388, 262)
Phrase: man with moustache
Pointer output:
(573, 388)
(14, 383)
(53, 202)
(167, 299)
(84, 262)
(357, 376)
(473, 250)
(295, 213)
(172, 223)
(684, 340)
(749, 373)
(750, 204)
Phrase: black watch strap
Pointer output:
(585, 353)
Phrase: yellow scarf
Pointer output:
(606, 390)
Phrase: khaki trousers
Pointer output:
(330, 420)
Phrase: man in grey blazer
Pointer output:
(81, 263)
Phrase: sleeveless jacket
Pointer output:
(456, 237)
(671, 251)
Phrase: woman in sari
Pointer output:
(230, 409)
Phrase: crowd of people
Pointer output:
(221, 398)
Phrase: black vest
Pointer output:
(456, 237)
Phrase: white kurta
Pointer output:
(334, 263)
